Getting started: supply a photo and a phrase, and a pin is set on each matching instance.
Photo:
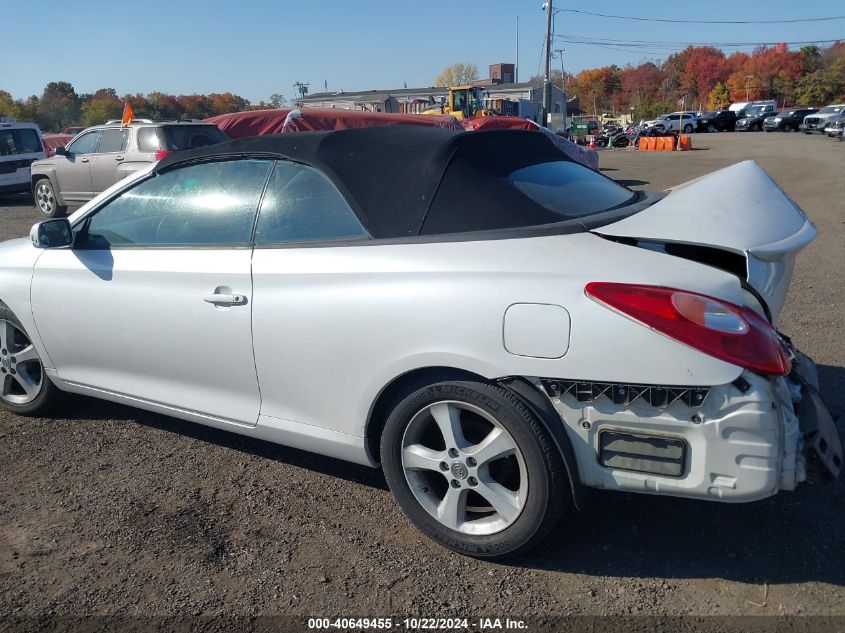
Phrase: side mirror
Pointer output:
(61, 151)
(52, 233)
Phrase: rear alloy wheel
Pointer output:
(688, 129)
(45, 199)
(711, 128)
(24, 387)
(473, 468)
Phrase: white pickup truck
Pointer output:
(820, 120)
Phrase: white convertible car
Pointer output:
(493, 324)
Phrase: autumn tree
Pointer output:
(278, 100)
(457, 75)
(223, 103)
(718, 98)
(705, 67)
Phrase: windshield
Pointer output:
(830, 109)
(477, 95)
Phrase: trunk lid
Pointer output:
(738, 210)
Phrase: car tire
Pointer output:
(787, 127)
(711, 128)
(688, 129)
(491, 507)
(45, 199)
(756, 127)
(25, 388)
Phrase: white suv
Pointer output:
(685, 122)
(20, 145)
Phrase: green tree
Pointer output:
(98, 110)
(823, 86)
(8, 107)
(278, 100)
(59, 107)
(457, 75)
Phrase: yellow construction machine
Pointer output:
(462, 102)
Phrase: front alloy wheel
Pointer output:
(20, 367)
(45, 199)
(473, 468)
(25, 388)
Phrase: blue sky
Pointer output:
(257, 48)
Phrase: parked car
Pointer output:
(674, 122)
(496, 326)
(104, 154)
(788, 120)
(20, 146)
(717, 121)
(820, 120)
(754, 122)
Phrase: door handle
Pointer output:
(83, 160)
(219, 298)
(118, 158)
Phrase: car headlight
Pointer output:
(777, 120)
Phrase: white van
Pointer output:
(749, 108)
(20, 145)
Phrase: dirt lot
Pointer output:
(110, 510)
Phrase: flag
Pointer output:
(128, 115)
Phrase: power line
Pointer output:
(638, 19)
(575, 39)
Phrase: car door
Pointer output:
(73, 170)
(302, 233)
(10, 159)
(110, 153)
(154, 299)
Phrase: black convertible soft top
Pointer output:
(406, 181)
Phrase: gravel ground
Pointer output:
(108, 510)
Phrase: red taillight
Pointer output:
(163, 153)
(731, 333)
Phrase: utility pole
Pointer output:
(516, 66)
(547, 89)
(560, 52)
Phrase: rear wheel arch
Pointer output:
(526, 392)
(396, 390)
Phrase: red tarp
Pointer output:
(254, 123)
(314, 119)
(52, 141)
(499, 123)
(260, 122)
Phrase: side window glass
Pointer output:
(85, 144)
(148, 140)
(112, 141)
(206, 204)
(8, 145)
(30, 143)
(303, 205)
